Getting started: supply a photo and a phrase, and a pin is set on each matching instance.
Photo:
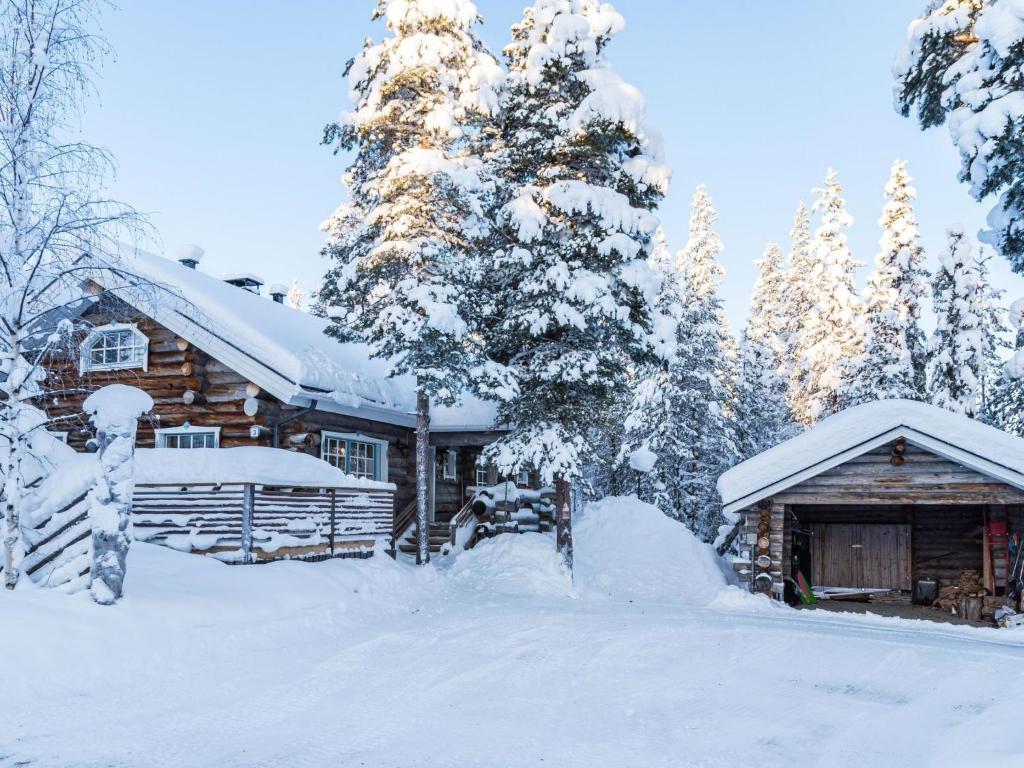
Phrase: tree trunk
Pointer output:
(563, 520)
(12, 524)
(422, 476)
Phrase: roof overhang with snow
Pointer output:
(858, 430)
(284, 351)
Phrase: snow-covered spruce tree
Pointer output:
(762, 406)
(572, 291)
(961, 65)
(893, 365)
(56, 225)
(795, 301)
(831, 338)
(1005, 408)
(404, 244)
(115, 412)
(957, 349)
(681, 408)
(994, 333)
(296, 298)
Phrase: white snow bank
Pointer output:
(628, 549)
(525, 564)
(956, 437)
(268, 466)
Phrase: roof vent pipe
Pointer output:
(278, 292)
(190, 255)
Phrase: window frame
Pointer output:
(140, 360)
(486, 474)
(380, 453)
(186, 429)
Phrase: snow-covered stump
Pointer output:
(114, 411)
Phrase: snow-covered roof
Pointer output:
(283, 350)
(858, 430)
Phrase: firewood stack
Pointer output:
(952, 596)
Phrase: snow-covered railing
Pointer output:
(251, 522)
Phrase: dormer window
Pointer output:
(115, 347)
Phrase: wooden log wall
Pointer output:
(187, 385)
(922, 478)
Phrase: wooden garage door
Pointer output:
(863, 556)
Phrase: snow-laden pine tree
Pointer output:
(830, 340)
(958, 348)
(296, 298)
(796, 299)
(994, 333)
(895, 356)
(961, 65)
(681, 410)
(405, 243)
(1005, 408)
(570, 285)
(57, 227)
(762, 405)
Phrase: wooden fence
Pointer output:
(251, 523)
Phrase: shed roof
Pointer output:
(855, 431)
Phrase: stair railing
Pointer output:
(404, 520)
(465, 517)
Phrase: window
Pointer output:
(187, 436)
(483, 475)
(523, 478)
(450, 468)
(115, 347)
(355, 454)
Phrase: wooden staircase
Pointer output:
(440, 534)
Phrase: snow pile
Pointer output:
(628, 549)
(251, 464)
(526, 564)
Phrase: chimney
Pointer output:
(190, 255)
(278, 292)
(245, 281)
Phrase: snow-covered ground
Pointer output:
(492, 659)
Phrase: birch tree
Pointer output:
(56, 225)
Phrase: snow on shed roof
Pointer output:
(283, 350)
(858, 430)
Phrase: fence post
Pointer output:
(334, 500)
(248, 502)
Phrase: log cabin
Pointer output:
(228, 367)
(877, 497)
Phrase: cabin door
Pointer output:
(864, 556)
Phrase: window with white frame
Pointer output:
(187, 436)
(355, 454)
(523, 478)
(483, 475)
(115, 347)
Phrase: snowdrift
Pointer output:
(629, 550)
(526, 564)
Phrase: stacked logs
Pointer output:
(967, 598)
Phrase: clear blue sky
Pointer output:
(214, 111)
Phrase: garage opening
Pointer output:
(885, 547)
